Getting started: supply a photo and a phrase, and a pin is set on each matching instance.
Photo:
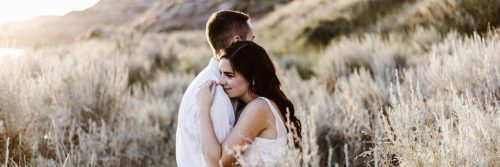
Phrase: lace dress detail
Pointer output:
(265, 152)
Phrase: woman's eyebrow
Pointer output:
(226, 72)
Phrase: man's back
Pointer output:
(188, 148)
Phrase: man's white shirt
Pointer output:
(188, 144)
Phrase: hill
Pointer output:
(56, 30)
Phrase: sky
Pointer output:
(21, 10)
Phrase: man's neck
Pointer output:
(216, 56)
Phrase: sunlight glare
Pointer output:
(21, 10)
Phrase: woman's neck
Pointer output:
(247, 98)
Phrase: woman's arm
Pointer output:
(253, 120)
(210, 146)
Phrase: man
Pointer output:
(223, 28)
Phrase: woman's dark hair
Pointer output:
(255, 65)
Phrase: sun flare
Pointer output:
(21, 10)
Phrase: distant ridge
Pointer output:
(56, 30)
(167, 16)
(142, 15)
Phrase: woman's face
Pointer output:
(234, 84)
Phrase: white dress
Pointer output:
(265, 152)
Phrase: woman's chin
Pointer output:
(232, 96)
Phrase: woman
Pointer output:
(249, 76)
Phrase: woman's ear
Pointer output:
(253, 84)
(251, 88)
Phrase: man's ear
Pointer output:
(235, 39)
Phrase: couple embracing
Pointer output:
(234, 110)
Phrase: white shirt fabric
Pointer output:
(188, 144)
(266, 152)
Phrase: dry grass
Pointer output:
(75, 106)
(391, 99)
(78, 109)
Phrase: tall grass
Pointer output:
(445, 112)
(376, 100)
(78, 109)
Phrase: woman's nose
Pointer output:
(222, 81)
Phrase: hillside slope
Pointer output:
(55, 30)
(302, 26)
(168, 16)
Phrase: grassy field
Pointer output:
(422, 91)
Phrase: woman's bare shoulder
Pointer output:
(254, 118)
(258, 108)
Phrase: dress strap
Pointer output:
(277, 116)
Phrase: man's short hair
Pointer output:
(223, 25)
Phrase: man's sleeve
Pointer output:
(220, 114)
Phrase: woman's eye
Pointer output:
(228, 75)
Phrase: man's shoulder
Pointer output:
(203, 76)
(221, 96)
(189, 98)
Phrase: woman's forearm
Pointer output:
(211, 148)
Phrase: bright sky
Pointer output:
(21, 10)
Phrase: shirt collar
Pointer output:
(214, 67)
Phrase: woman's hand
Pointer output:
(206, 95)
